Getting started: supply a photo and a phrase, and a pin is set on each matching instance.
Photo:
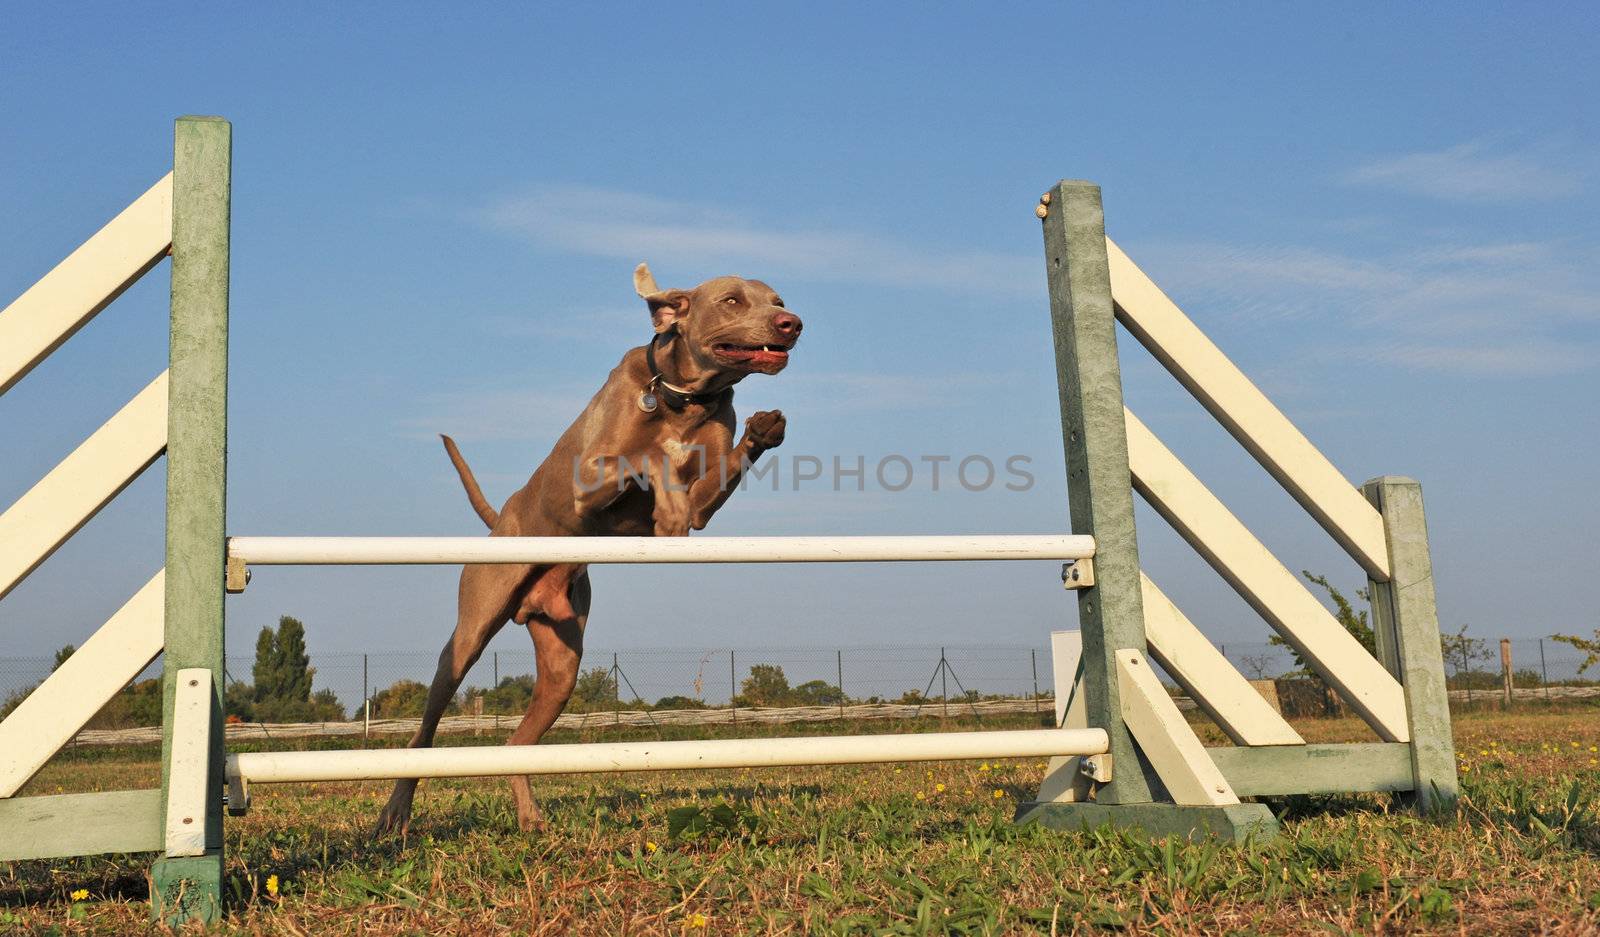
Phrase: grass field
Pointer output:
(916, 849)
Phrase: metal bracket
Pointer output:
(238, 575)
(1096, 768)
(238, 796)
(1077, 574)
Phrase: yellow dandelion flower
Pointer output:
(921, 796)
(650, 847)
(999, 794)
(1483, 751)
(80, 894)
(969, 792)
(272, 885)
(1593, 749)
(1574, 744)
(938, 788)
(698, 920)
(984, 766)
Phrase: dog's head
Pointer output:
(729, 324)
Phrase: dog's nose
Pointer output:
(788, 324)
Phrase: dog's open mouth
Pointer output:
(755, 357)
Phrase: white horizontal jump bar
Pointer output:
(492, 760)
(354, 551)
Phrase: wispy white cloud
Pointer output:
(1470, 172)
(634, 227)
(571, 325)
(488, 414)
(1486, 308)
(1512, 356)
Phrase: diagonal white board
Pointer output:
(1247, 413)
(67, 297)
(83, 483)
(1209, 679)
(1258, 577)
(55, 711)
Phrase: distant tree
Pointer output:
(138, 704)
(1589, 646)
(1257, 664)
(816, 693)
(282, 669)
(401, 699)
(61, 657)
(1460, 651)
(766, 686)
(510, 696)
(283, 674)
(595, 690)
(679, 702)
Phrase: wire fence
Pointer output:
(769, 676)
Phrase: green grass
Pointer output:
(870, 850)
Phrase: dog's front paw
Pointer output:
(764, 430)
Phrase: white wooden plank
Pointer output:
(58, 708)
(82, 484)
(1063, 781)
(191, 750)
(1262, 581)
(1173, 750)
(66, 298)
(357, 551)
(1209, 679)
(1236, 402)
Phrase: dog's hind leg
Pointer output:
(488, 596)
(558, 650)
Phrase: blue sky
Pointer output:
(1386, 214)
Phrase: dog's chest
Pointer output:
(681, 454)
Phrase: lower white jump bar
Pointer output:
(359, 551)
(486, 761)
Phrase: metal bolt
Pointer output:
(194, 682)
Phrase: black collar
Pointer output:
(673, 397)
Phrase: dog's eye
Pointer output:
(732, 300)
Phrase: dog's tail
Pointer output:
(474, 493)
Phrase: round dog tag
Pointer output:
(647, 402)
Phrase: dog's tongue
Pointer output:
(763, 356)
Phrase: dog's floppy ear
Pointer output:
(666, 306)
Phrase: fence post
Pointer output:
(185, 888)
(1033, 661)
(944, 689)
(1544, 671)
(733, 690)
(1095, 438)
(838, 658)
(1407, 601)
(616, 690)
(1506, 685)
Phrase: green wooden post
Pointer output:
(1404, 607)
(1099, 496)
(190, 888)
